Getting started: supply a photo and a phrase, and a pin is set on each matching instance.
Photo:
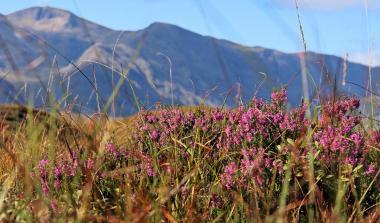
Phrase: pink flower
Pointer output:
(370, 170)
(228, 175)
(89, 164)
(112, 149)
(154, 135)
(217, 115)
(253, 164)
(236, 140)
(54, 207)
(57, 171)
(245, 119)
(277, 118)
(57, 184)
(249, 137)
(228, 131)
(45, 187)
(357, 139)
(279, 97)
(42, 167)
(150, 118)
(350, 160)
(336, 144)
(148, 167)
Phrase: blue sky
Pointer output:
(331, 26)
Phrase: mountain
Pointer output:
(48, 50)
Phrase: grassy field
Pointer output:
(261, 162)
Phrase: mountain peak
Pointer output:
(40, 13)
(161, 24)
(166, 29)
(45, 19)
(164, 26)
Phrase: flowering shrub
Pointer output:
(245, 163)
(64, 169)
(250, 147)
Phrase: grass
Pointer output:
(259, 163)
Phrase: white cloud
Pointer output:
(372, 58)
(331, 4)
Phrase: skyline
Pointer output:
(337, 29)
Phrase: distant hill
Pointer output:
(39, 47)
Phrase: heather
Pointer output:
(261, 162)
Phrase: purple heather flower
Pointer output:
(246, 127)
(71, 169)
(103, 175)
(348, 123)
(57, 171)
(245, 118)
(45, 187)
(149, 171)
(144, 128)
(357, 139)
(231, 117)
(279, 96)
(154, 135)
(89, 164)
(277, 118)
(214, 201)
(249, 137)
(227, 177)
(150, 118)
(350, 160)
(336, 144)
(147, 166)
(42, 166)
(268, 163)
(54, 206)
(231, 168)
(217, 115)
(57, 184)
(370, 170)
(112, 149)
(288, 124)
(236, 140)
(228, 131)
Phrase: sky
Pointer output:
(336, 27)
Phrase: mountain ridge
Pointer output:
(156, 24)
(205, 69)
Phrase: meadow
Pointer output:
(261, 162)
